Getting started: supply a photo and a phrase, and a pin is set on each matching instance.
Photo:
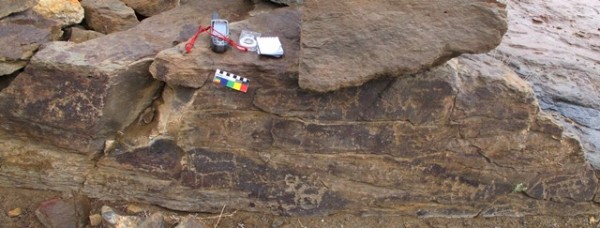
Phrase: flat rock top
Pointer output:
(175, 67)
(346, 43)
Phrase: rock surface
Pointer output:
(464, 139)
(151, 7)
(556, 47)
(108, 16)
(92, 97)
(66, 12)
(193, 70)
(15, 6)
(21, 34)
(78, 35)
(451, 142)
(391, 38)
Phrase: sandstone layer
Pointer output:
(461, 140)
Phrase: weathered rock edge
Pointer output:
(391, 38)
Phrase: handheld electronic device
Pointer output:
(219, 27)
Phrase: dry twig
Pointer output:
(220, 215)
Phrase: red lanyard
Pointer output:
(190, 44)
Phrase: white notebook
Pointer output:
(269, 46)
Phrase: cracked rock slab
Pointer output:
(347, 43)
(21, 35)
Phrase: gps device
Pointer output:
(219, 27)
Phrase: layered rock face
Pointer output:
(144, 122)
(455, 141)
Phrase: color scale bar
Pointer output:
(236, 85)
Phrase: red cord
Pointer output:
(190, 44)
(231, 42)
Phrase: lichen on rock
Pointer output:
(66, 12)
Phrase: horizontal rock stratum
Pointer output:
(347, 43)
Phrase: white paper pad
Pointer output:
(269, 46)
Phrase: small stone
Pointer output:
(191, 222)
(95, 219)
(113, 219)
(57, 212)
(155, 220)
(134, 208)
(15, 212)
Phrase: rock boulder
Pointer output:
(107, 16)
(15, 6)
(21, 35)
(65, 12)
(375, 38)
(57, 212)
